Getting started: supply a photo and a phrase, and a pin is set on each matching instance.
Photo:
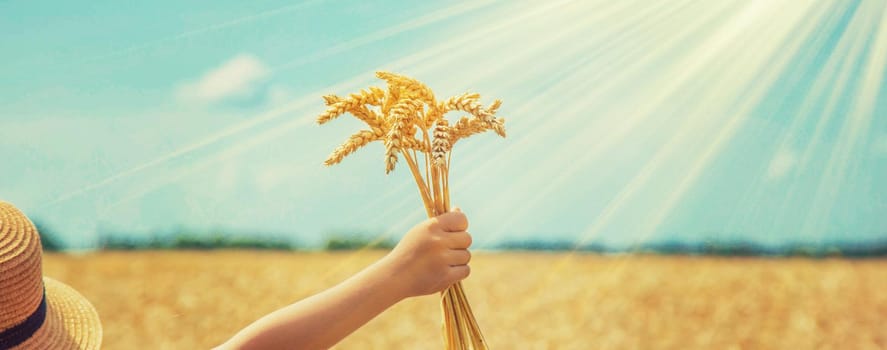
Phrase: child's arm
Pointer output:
(432, 256)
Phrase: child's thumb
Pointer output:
(456, 209)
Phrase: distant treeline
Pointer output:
(196, 240)
(228, 241)
(726, 248)
(185, 239)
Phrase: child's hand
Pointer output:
(432, 256)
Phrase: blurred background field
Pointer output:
(197, 299)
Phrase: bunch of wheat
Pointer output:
(410, 121)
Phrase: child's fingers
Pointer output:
(459, 272)
(452, 221)
(458, 257)
(458, 240)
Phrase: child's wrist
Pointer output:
(391, 271)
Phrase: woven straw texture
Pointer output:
(71, 321)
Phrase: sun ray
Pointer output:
(762, 60)
(786, 40)
(278, 131)
(836, 67)
(630, 73)
(229, 132)
(852, 133)
(840, 66)
(418, 58)
(769, 74)
(700, 120)
(305, 101)
(403, 205)
(576, 83)
(522, 108)
(196, 32)
(469, 178)
(726, 133)
(429, 56)
(422, 21)
(571, 38)
(479, 43)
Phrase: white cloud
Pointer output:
(783, 162)
(238, 77)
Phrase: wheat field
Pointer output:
(192, 300)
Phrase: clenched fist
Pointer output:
(432, 256)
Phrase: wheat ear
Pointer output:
(372, 96)
(368, 116)
(411, 87)
(441, 144)
(465, 102)
(353, 143)
(402, 117)
(486, 115)
(466, 127)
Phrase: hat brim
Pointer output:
(71, 321)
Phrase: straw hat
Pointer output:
(37, 312)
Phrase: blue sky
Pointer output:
(628, 122)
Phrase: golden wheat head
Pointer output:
(338, 106)
(402, 117)
(353, 143)
(393, 116)
(410, 87)
(441, 144)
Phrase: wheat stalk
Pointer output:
(395, 116)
